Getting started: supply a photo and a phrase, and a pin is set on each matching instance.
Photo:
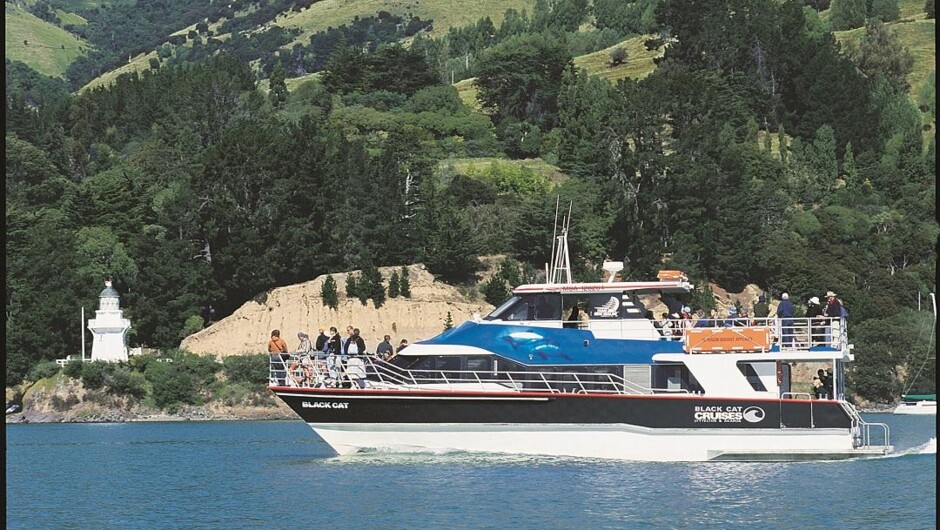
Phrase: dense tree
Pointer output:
(848, 14)
(328, 292)
(880, 53)
(520, 78)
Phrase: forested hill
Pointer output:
(758, 150)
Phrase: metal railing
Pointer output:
(862, 430)
(350, 371)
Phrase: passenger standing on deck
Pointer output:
(277, 349)
(385, 350)
(785, 314)
(304, 349)
(321, 342)
(277, 344)
(817, 325)
(817, 387)
(833, 311)
(334, 347)
(402, 345)
(824, 383)
(761, 309)
(354, 344)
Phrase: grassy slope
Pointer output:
(638, 65)
(919, 36)
(444, 13)
(462, 165)
(50, 49)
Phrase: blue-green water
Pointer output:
(280, 475)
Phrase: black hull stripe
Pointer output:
(359, 406)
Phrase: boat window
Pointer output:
(748, 372)
(529, 307)
(496, 313)
(478, 364)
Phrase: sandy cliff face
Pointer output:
(299, 308)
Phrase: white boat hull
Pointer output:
(622, 442)
(918, 408)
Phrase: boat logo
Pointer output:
(727, 414)
(754, 414)
(324, 405)
(608, 309)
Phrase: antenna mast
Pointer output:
(560, 270)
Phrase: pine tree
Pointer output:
(352, 286)
(849, 170)
(847, 14)
(405, 287)
(328, 292)
(494, 290)
(278, 93)
(371, 286)
(782, 147)
(448, 321)
(394, 288)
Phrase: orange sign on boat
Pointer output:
(718, 340)
(664, 276)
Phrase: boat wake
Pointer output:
(927, 448)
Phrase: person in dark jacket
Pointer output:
(385, 350)
(817, 325)
(785, 314)
(334, 345)
(761, 309)
(321, 342)
(355, 345)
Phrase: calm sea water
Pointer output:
(280, 475)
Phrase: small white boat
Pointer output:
(917, 404)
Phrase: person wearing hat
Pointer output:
(785, 313)
(817, 325)
(833, 310)
(761, 309)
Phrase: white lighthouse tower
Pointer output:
(109, 328)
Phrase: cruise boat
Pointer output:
(917, 404)
(581, 370)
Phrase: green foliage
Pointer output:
(352, 286)
(405, 287)
(371, 286)
(618, 56)
(123, 382)
(278, 87)
(43, 370)
(394, 287)
(930, 8)
(848, 14)
(171, 385)
(494, 290)
(520, 78)
(511, 178)
(352, 70)
(880, 53)
(73, 369)
(328, 292)
(448, 321)
(95, 374)
(249, 369)
(884, 10)
(193, 324)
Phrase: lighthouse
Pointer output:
(109, 328)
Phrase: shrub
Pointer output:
(123, 382)
(251, 369)
(95, 373)
(171, 385)
(73, 369)
(43, 370)
(202, 368)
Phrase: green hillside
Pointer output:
(46, 48)
(444, 13)
(638, 65)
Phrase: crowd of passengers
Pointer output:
(680, 317)
(329, 360)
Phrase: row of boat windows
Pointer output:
(557, 306)
(450, 368)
